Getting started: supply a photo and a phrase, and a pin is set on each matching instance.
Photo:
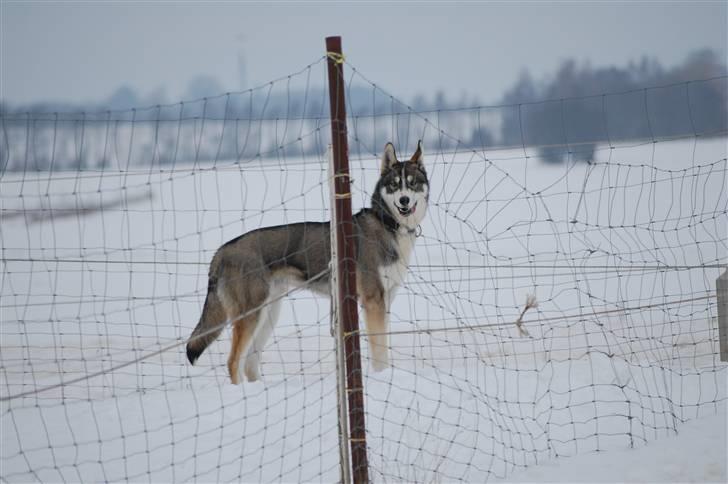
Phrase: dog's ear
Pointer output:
(418, 157)
(389, 157)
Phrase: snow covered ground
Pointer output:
(697, 454)
(620, 353)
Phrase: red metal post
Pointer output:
(346, 252)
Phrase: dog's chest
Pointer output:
(393, 275)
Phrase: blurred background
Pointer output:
(80, 57)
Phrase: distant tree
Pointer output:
(566, 115)
(440, 100)
(203, 86)
(125, 97)
(157, 96)
(481, 138)
(523, 91)
(419, 103)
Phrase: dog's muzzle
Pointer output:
(406, 211)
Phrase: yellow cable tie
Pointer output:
(351, 390)
(340, 196)
(352, 439)
(336, 57)
(349, 333)
(341, 175)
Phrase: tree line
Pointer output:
(561, 115)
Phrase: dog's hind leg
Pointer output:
(243, 332)
(245, 316)
(266, 325)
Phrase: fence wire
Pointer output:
(560, 300)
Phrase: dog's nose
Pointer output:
(404, 201)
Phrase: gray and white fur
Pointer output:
(250, 274)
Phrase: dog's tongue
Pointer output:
(409, 211)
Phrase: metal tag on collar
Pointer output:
(417, 231)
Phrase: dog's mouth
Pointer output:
(406, 211)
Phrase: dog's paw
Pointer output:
(234, 379)
(380, 362)
(252, 369)
(252, 375)
(233, 372)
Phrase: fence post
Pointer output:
(338, 334)
(346, 264)
(721, 286)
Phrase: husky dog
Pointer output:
(249, 275)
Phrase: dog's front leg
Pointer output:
(390, 299)
(375, 314)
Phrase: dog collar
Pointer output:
(417, 231)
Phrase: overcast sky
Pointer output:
(82, 51)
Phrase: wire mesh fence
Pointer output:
(560, 298)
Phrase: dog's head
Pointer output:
(403, 186)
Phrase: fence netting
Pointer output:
(560, 298)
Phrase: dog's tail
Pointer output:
(211, 324)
